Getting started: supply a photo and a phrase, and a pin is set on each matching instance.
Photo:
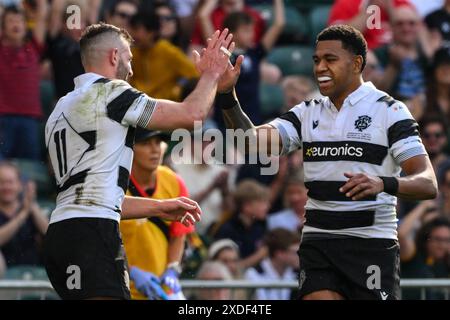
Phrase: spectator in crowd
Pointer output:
(63, 47)
(213, 271)
(444, 197)
(434, 137)
(280, 265)
(226, 251)
(356, 14)
(293, 217)
(20, 106)
(438, 84)
(404, 61)
(121, 12)
(439, 22)
(296, 89)
(159, 67)
(213, 193)
(22, 223)
(169, 24)
(248, 225)
(372, 71)
(241, 24)
(427, 256)
(154, 247)
(211, 16)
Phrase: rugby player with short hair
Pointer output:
(90, 136)
(356, 141)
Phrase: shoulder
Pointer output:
(308, 106)
(165, 171)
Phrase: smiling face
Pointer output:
(336, 69)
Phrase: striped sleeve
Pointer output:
(129, 106)
(403, 133)
(290, 128)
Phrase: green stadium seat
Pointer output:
(306, 5)
(318, 19)
(38, 172)
(25, 272)
(296, 23)
(293, 60)
(271, 98)
(28, 273)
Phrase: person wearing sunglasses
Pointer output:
(434, 136)
(121, 13)
(169, 28)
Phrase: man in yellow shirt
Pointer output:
(154, 247)
(160, 68)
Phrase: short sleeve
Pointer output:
(403, 133)
(289, 127)
(127, 105)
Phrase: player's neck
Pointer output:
(145, 178)
(339, 100)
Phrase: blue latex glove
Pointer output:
(169, 280)
(148, 284)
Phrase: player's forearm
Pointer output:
(421, 186)
(233, 115)
(199, 102)
(137, 208)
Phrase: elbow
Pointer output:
(431, 190)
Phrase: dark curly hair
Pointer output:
(352, 39)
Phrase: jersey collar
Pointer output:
(361, 92)
(86, 79)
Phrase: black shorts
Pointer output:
(85, 258)
(356, 268)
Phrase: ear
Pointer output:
(357, 64)
(114, 56)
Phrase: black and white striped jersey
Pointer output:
(89, 137)
(372, 134)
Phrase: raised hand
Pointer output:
(212, 58)
(229, 79)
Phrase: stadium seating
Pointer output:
(25, 272)
(28, 273)
(272, 99)
(296, 27)
(293, 60)
(38, 172)
(305, 5)
(318, 18)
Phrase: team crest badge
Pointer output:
(362, 123)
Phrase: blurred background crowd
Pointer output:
(252, 223)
